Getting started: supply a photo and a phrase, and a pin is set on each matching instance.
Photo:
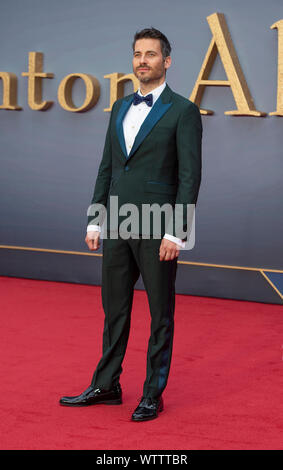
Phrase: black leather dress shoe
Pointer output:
(95, 395)
(148, 409)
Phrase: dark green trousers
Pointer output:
(123, 262)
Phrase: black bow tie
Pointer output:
(139, 99)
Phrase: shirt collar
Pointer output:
(156, 92)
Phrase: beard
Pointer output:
(146, 79)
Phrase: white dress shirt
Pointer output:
(131, 125)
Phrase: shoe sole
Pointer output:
(109, 402)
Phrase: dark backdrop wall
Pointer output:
(49, 159)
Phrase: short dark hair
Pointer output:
(153, 33)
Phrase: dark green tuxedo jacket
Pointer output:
(164, 165)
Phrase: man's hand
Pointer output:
(168, 250)
(92, 240)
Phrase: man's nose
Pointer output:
(142, 60)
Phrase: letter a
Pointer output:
(222, 43)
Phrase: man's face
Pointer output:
(148, 62)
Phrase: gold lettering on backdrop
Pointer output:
(65, 92)
(222, 43)
(9, 81)
(35, 75)
(117, 81)
(279, 106)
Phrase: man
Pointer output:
(152, 155)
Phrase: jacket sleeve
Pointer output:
(96, 211)
(189, 147)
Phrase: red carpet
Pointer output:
(225, 389)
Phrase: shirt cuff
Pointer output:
(93, 228)
(178, 241)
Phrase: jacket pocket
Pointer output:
(159, 187)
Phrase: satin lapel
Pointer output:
(119, 123)
(156, 113)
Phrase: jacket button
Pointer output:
(127, 168)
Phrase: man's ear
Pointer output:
(167, 62)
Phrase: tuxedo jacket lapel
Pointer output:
(152, 118)
(126, 103)
(160, 107)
